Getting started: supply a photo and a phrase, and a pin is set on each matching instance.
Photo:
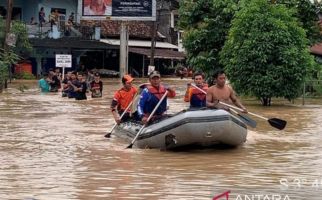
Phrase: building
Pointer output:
(95, 44)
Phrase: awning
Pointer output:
(69, 42)
(140, 43)
(159, 53)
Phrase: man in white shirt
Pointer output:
(98, 7)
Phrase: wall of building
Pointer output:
(69, 6)
(17, 4)
(167, 18)
(30, 8)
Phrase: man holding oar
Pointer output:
(250, 122)
(223, 93)
(151, 96)
(220, 95)
(122, 99)
(196, 96)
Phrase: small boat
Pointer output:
(202, 127)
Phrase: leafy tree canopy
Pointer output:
(205, 24)
(266, 54)
(307, 14)
(11, 55)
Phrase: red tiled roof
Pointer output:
(137, 29)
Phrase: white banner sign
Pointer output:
(64, 60)
(150, 69)
(11, 39)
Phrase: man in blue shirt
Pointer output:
(151, 96)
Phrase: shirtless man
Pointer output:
(222, 92)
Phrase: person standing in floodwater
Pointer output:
(43, 83)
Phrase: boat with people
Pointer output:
(201, 127)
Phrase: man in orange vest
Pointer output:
(122, 98)
(195, 96)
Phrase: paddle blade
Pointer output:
(108, 135)
(277, 123)
(247, 120)
(130, 146)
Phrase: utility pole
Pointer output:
(6, 33)
(154, 29)
(124, 48)
(8, 23)
(153, 35)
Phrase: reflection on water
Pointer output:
(53, 148)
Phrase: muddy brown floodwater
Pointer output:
(53, 148)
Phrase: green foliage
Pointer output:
(6, 59)
(2, 28)
(24, 75)
(306, 12)
(266, 54)
(12, 55)
(22, 44)
(205, 24)
(316, 88)
(19, 29)
(313, 82)
(3, 72)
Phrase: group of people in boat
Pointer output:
(134, 103)
(146, 98)
(73, 85)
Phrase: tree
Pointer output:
(266, 54)
(6, 59)
(307, 13)
(23, 45)
(205, 24)
(12, 55)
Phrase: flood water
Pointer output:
(53, 148)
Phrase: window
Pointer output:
(174, 19)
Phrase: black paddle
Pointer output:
(247, 120)
(244, 118)
(275, 122)
(147, 121)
